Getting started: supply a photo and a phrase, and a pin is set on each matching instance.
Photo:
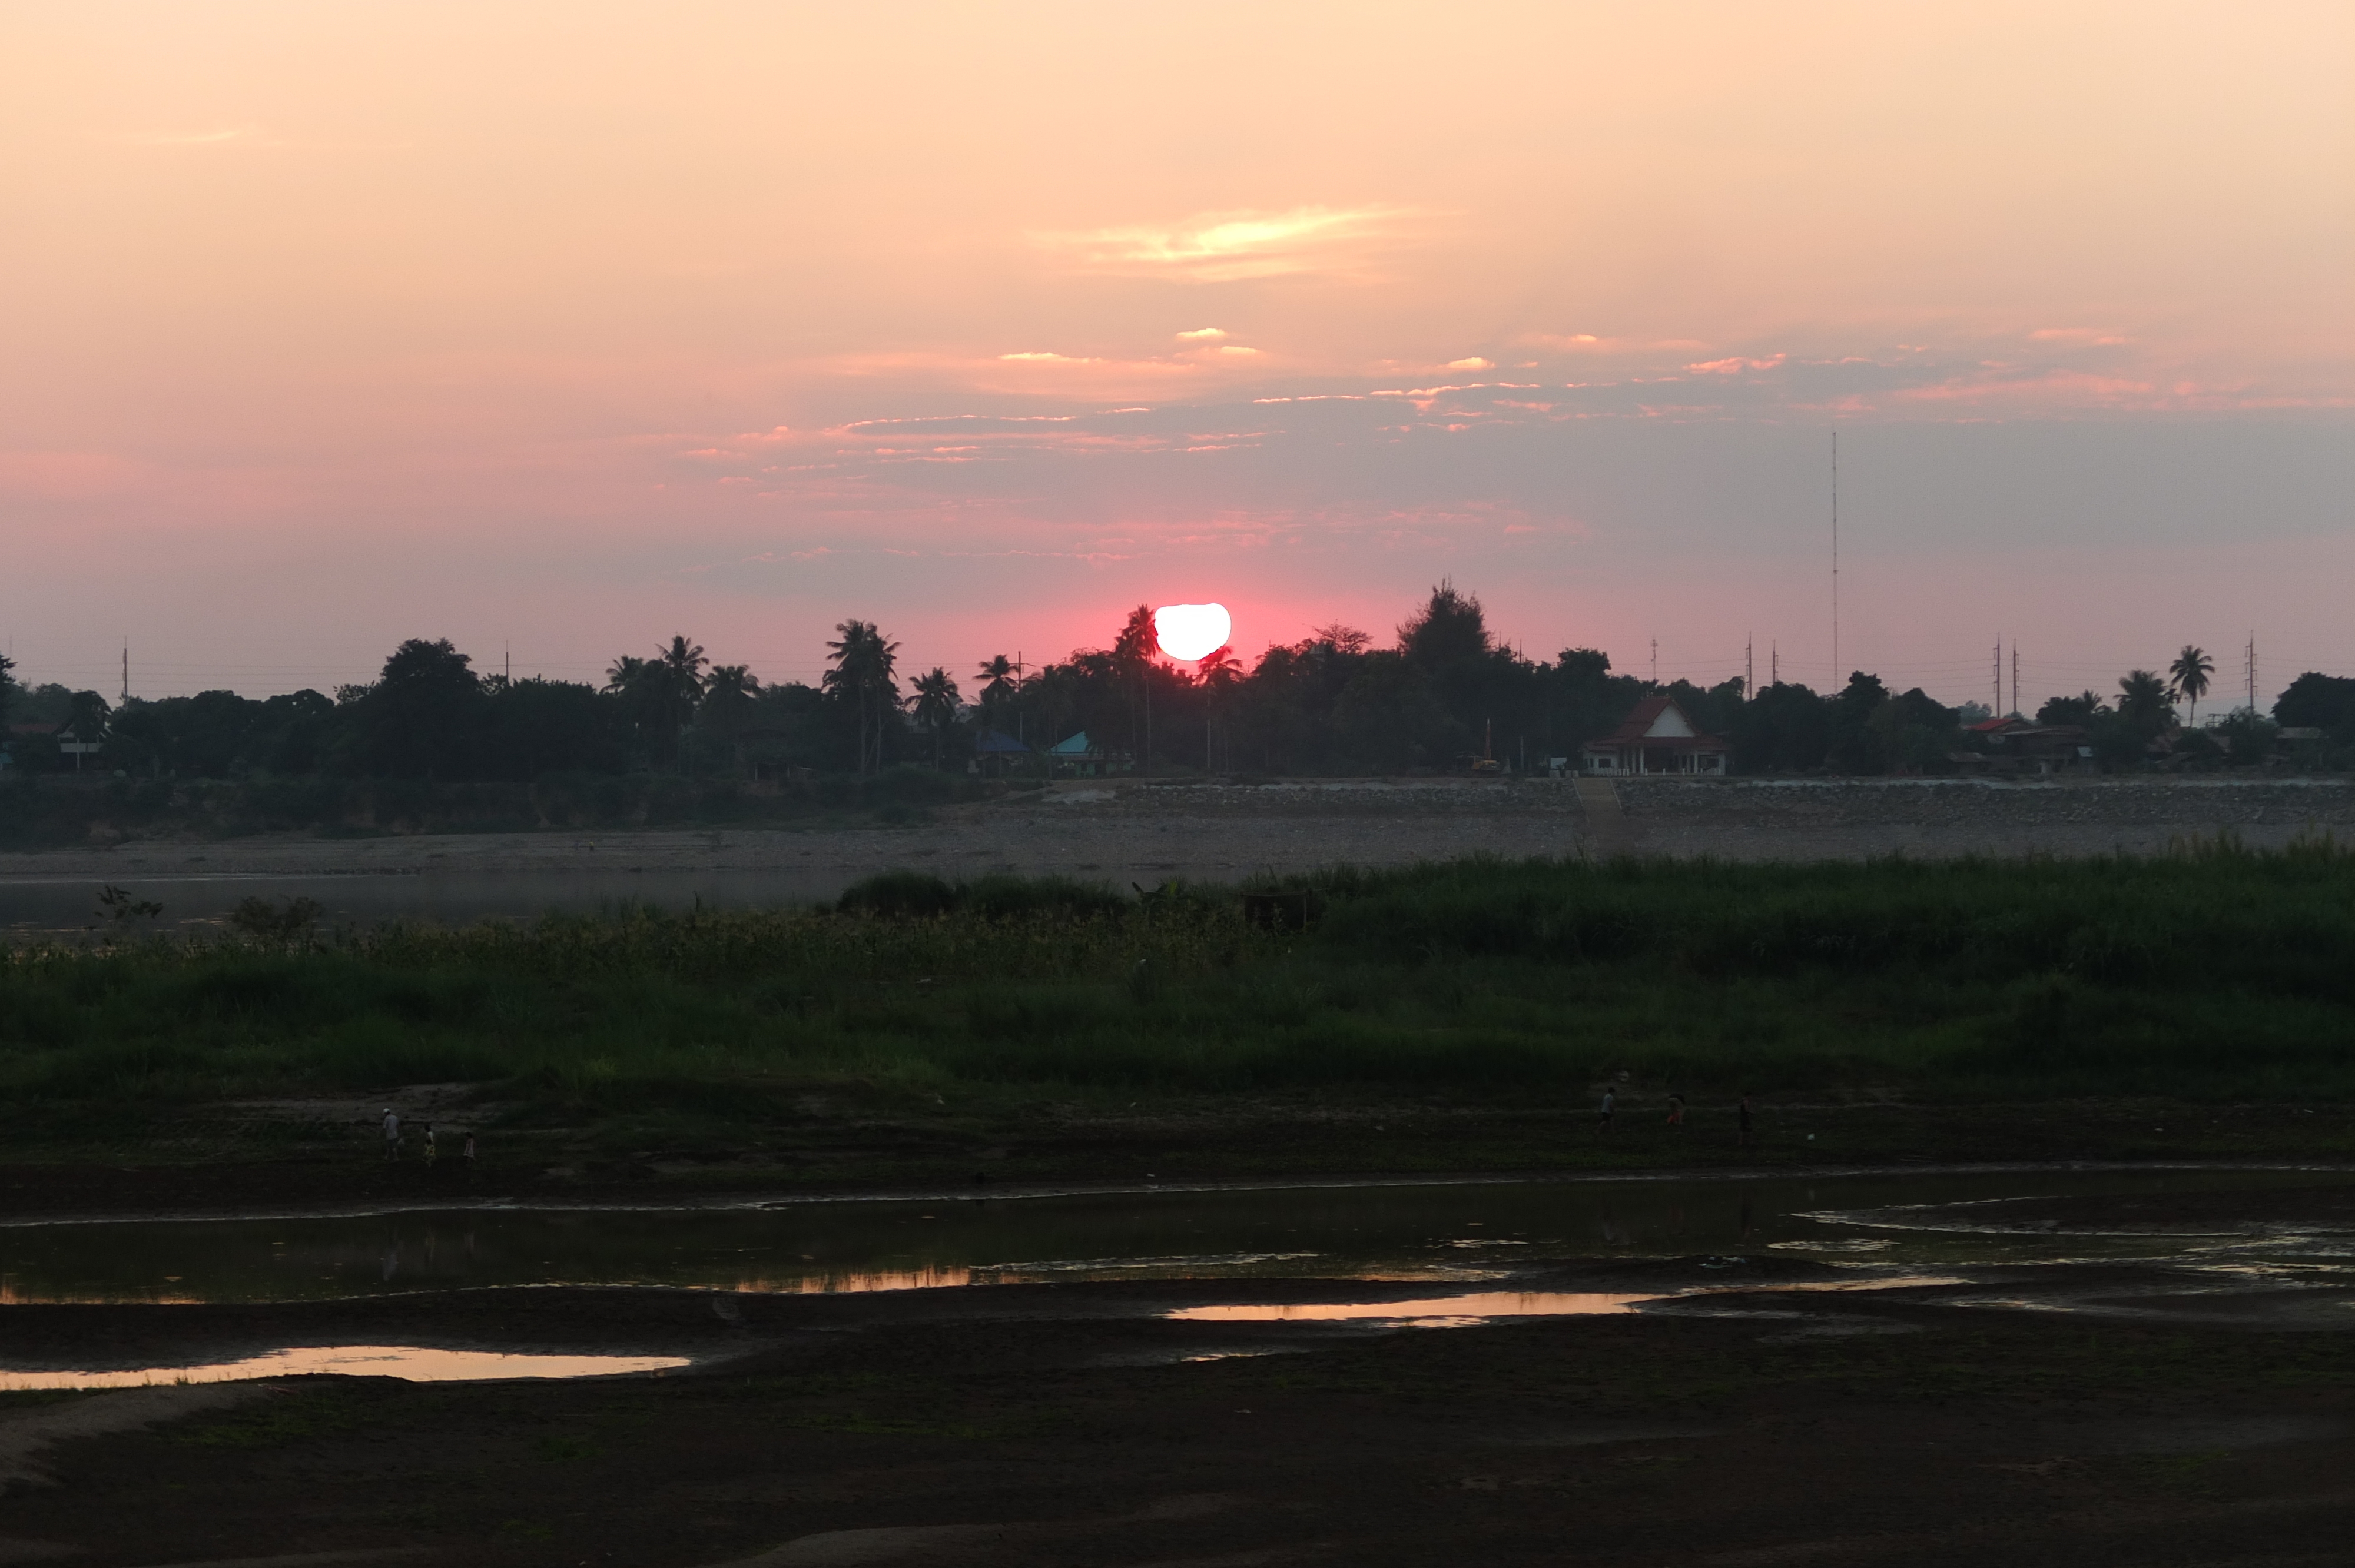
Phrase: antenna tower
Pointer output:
(1837, 682)
(126, 670)
(1748, 668)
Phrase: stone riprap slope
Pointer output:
(1812, 818)
(1147, 831)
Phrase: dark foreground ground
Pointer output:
(1066, 1426)
(902, 1143)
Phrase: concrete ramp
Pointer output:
(1608, 832)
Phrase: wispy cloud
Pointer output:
(2093, 336)
(1733, 366)
(1225, 247)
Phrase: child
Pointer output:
(1676, 1110)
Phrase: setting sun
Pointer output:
(1192, 630)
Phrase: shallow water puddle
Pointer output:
(1485, 1305)
(412, 1363)
(1433, 1311)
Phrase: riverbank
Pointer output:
(1460, 1018)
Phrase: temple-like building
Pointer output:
(1656, 738)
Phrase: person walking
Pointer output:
(433, 1149)
(1609, 1109)
(1676, 1110)
(1744, 1112)
(467, 1153)
(392, 1133)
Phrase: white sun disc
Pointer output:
(1191, 631)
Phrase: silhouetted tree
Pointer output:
(1219, 675)
(863, 676)
(418, 719)
(2189, 676)
(2082, 709)
(935, 703)
(999, 684)
(2143, 702)
(2316, 701)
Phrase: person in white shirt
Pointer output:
(392, 1133)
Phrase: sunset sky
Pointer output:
(566, 327)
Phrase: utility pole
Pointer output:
(126, 670)
(1997, 710)
(2253, 673)
(2015, 677)
(506, 660)
(1655, 661)
(1749, 669)
(1774, 663)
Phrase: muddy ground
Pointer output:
(292, 1156)
(1069, 1425)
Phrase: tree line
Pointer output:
(1445, 695)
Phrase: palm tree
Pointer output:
(2143, 701)
(2191, 672)
(1220, 672)
(863, 673)
(936, 706)
(999, 682)
(1132, 652)
(681, 667)
(643, 687)
(728, 695)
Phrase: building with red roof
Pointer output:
(1657, 737)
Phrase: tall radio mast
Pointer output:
(1837, 683)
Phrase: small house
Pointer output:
(995, 751)
(1657, 737)
(1078, 755)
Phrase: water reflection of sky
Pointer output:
(414, 1363)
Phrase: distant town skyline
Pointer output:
(564, 331)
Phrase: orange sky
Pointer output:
(570, 326)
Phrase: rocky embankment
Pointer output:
(1809, 819)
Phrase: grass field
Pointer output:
(2214, 975)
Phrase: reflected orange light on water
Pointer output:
(861, 1283)
(412, 1363)
(1478, 1305)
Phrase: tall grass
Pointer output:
(2219, 971)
